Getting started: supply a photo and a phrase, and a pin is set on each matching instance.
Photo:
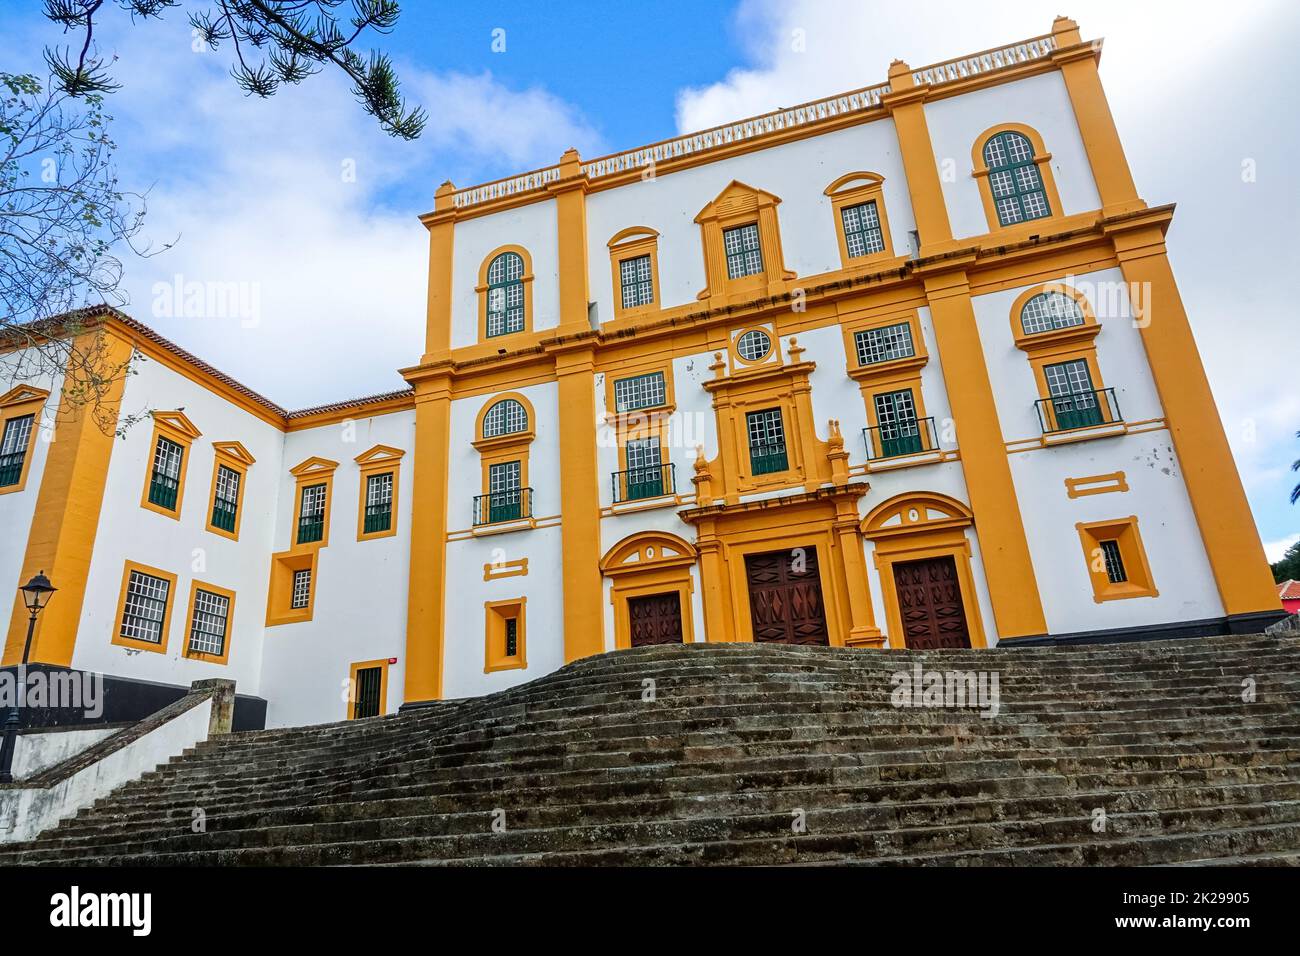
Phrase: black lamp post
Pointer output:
(36, 594)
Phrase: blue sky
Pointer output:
(301, 199)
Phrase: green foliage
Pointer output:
(273, 42)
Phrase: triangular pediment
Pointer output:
(235, 450)
(314, 466)
(738, 198)
(24, 393)
(379, 453)
(178, 421)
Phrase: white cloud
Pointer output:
(1276, 549)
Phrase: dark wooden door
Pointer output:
(929, 603)
(655, 619)
(369, 681)
(785, 597)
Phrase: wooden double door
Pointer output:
(930, 604)
(785, 597)
(655, 619)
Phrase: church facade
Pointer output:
(903, 367)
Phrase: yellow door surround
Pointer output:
(914, 527)
(652, 562)
(825, 519)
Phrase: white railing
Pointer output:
(986, 62)
(746, 129)
(806, 114)
(510, 186)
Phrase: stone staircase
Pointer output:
(756, 754)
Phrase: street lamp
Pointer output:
(36, 594)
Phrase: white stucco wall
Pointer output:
(1040, 102)
(17, 507)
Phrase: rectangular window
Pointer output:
(505, 635)
(1073, 400)
(379, 503)
(862, 233)
(897, 430)
(637, 281)
(640, 391)
(144, 613)
(1114, 560)
(744, 255)
(13, 449)
(166, 479)
(884, 344)
(225, 503)
(766, 441)
(504, 494)
(512, 637)
(368, 691)
(311, 516)
(645, 477)
(301, 595)
(208, 623)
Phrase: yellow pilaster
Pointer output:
(863, 631)
(715, 589)
(570, 193)
(426, 603)
(579, 505)
(66, 519)
(1209, 472)
(441, 224)
(1013, 587)
(907, 105)
(1110, 169)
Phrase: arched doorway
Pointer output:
(650, 574)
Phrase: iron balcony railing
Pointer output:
(162, 491)
(768, 458)
(11, 468)
(908, 437)
(1085, 409)
(651, 481)
(311, 527)
(223, 514)
(512, 505)
(378, 518)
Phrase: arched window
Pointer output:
(1014, 178)
(505, 294)
(506, 417)
(1050, 310)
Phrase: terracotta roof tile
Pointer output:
(1288, 590)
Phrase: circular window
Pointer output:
(754, 345)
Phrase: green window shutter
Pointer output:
(767, 451)
(1016, 183)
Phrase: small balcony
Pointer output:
(636, 484)
(516, 504)
(899, 439)
(1086, 409)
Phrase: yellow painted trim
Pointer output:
(631, 370)
(1096, 484)
(175, 427)
(222, 658)
(61, 536)
(1009, 572)
(505, 569)
(1042, 159)
(280, 589)
(118, 639)
(913, 527)
(1125, 532)
(379, 460)
(481, 291)
(351, 702)
(739, 205)
(494, 635)
(644, 564)
(570, 194)
(236, 457)
(906, 105)
(20, 402)
(439, 298)
(855, 189)
(632, 243)
(309, 473)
